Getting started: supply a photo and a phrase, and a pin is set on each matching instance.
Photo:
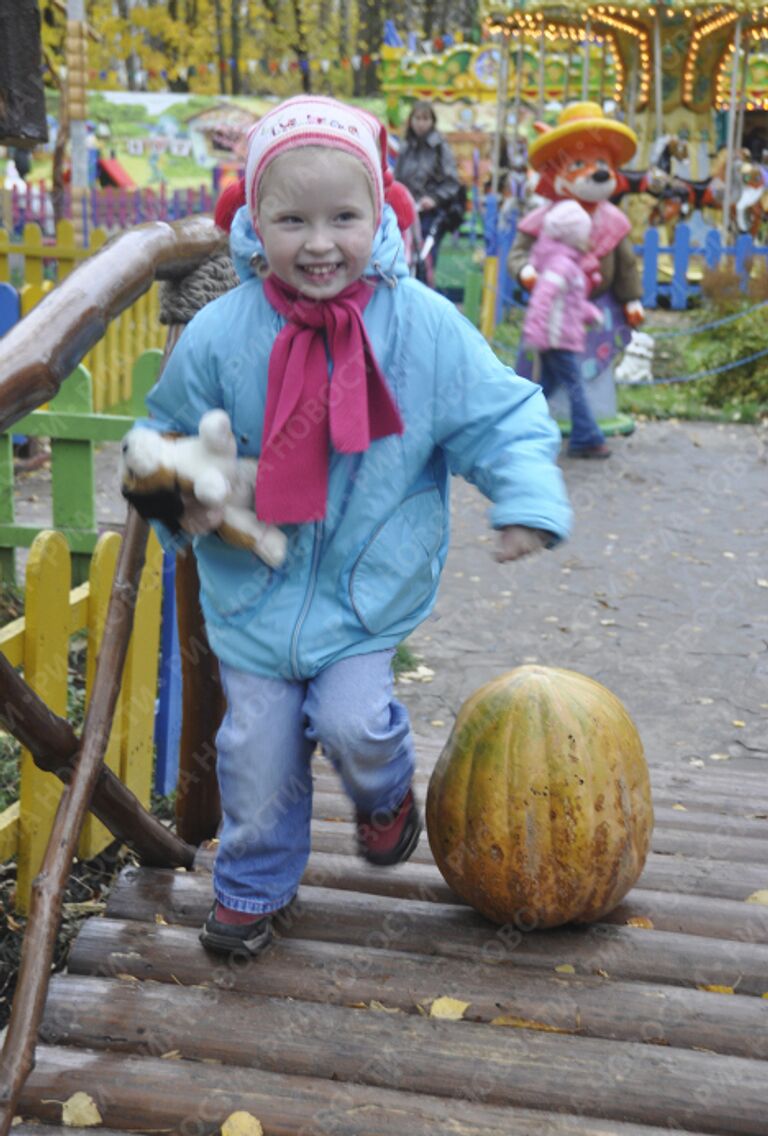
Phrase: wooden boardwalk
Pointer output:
(656, 1018)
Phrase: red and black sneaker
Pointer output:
(389, 837)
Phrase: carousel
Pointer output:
(690, 77)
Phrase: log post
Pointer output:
(198, 808)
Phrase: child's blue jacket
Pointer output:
(362, 579)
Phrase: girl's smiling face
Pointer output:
(316, 220)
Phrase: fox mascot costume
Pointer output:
(578, 160)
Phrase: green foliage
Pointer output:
(404, 659)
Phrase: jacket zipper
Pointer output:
(319, 527)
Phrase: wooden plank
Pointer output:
(331, 800)
(525, 1068)
(665, 910)
(458, 932)
(193, 1097)
(671, 873)
(342, 975)
(691, 820)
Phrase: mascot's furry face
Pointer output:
(158, 468)
(588, 177)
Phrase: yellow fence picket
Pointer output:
(95, 836)
(32, 248)
(46, 643)
(5, 252)
(140, 679)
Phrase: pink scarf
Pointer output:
(305, 410)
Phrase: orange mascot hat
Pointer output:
(582, 127)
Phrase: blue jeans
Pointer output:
(264, 749)
(564, 367)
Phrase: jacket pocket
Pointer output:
(231, 579)
(399, 568)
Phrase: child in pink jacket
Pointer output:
(558, 314)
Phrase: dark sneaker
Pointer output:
(385, 838)
(597, 453)
(236, 938)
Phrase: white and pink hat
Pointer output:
(309, 120)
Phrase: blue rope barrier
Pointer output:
(702, 374)
(502, 347)
(660, 334)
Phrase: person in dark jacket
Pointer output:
(427, 167)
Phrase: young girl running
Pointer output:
(361, 392)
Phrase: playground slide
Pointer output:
(116, 172)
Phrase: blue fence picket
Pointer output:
(10, 307)
(681, 254)
(168, 710)
(650, 250)
(713, 248)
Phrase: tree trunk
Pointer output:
(300, 47)
(123, 10)
(234, 24)
(222, 63)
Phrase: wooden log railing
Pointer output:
(37, 355)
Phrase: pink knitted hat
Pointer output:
(309, 120)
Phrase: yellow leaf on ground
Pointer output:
(241, 1124)
(80, 1111)
(449, 1009)
(714, 989)
(526, 1023)
(758, 897)
(565, 968)
(680, 808)
(374, 1005)
(640, 921)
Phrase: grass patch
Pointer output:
(737, 395)
(404, 659)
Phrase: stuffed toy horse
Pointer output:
(159, 469)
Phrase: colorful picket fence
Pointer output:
(39, 644)
(113, 209)
(41, 264)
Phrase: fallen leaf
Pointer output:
(713, 988)
(241, 1124)
(565, 968)
(80, 1111)
(171, 1055)
(680, 808)
(526, 1023)
(738, 722)
(758, 897)
(719, 757)
(381, 1008)
(640, 921)
(601, 972)
(762, 583)
(160, 919)
(437, 722)
(449, 1009)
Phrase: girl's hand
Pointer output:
(517, 540)
(426, 202)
